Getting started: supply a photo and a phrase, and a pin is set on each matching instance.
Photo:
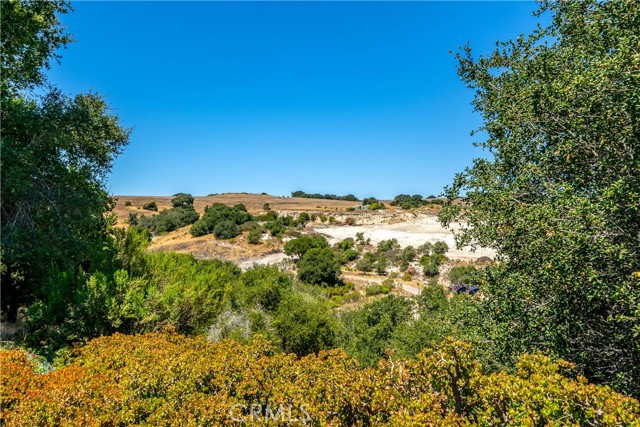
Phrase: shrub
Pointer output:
(266, 207)
(464, 274)
(150, 206)
(319, 265)
(226, 230)
(388, 245)
(170, 379)
(440, 248)
(182, 200)
(372, 290)
(172, 219)
(275, 227)
(304, 326)
(255, 235)
(350, 254)
(297, 248)
(199, 228)
(367, 262)
(128, 203)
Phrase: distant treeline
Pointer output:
(348, 197)
(406, 201)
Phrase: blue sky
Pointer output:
(328, 97)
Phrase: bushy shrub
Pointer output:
(182, 200)
(255, 235)
(388, 245)
(304, 326)
(298, 247)
(440, 248)
(350, 254)
(150, 206)
(319, 265)
(128, 203)
(160, 378)
(276, 227)
(172, 219)
(407, 255)
(199, 228)
(226, 230)
(367, 262)
(464, 274)
(373, 290)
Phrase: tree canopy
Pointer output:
(559, 195)
(56, 152)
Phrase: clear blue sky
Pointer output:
(329, 97)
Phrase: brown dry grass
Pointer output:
(208, 246)
(253, 202)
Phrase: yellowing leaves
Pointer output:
(171, 380)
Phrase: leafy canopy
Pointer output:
(559, 196)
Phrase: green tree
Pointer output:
(319, 265)
(370, 329)
(150, 206)
(182, 200)
(559, 198)
(226, 230)
(199, 228)
(304, 326)
(56, 153)
(298, 247)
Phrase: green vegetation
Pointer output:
(57, 150)
(348, 197)
(180, 215)
(298, 247)
(150, 206)
(559, 198)
(406, 201)
(161, 379)
(182, 200)
(221, 220)
(319, 265)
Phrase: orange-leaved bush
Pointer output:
(167, 379)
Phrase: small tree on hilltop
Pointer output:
(182, 200)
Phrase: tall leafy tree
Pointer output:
(56, 152)
(559, 194)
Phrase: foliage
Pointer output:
(408, 202)
(559, 198)
(31, 37)
(161, 379)
(167, 220)
(150, 206)
(440, 248)
(298, 247)
(223, 218)
(370, 328)
(319, 265)
(348, 197)
(255, 234)
(464, 274)
(199, 228)
(226, 230)
(304, 326)
(388, 245)
(56, 153)
(367, 262)
(407, 255)
(182, 200)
